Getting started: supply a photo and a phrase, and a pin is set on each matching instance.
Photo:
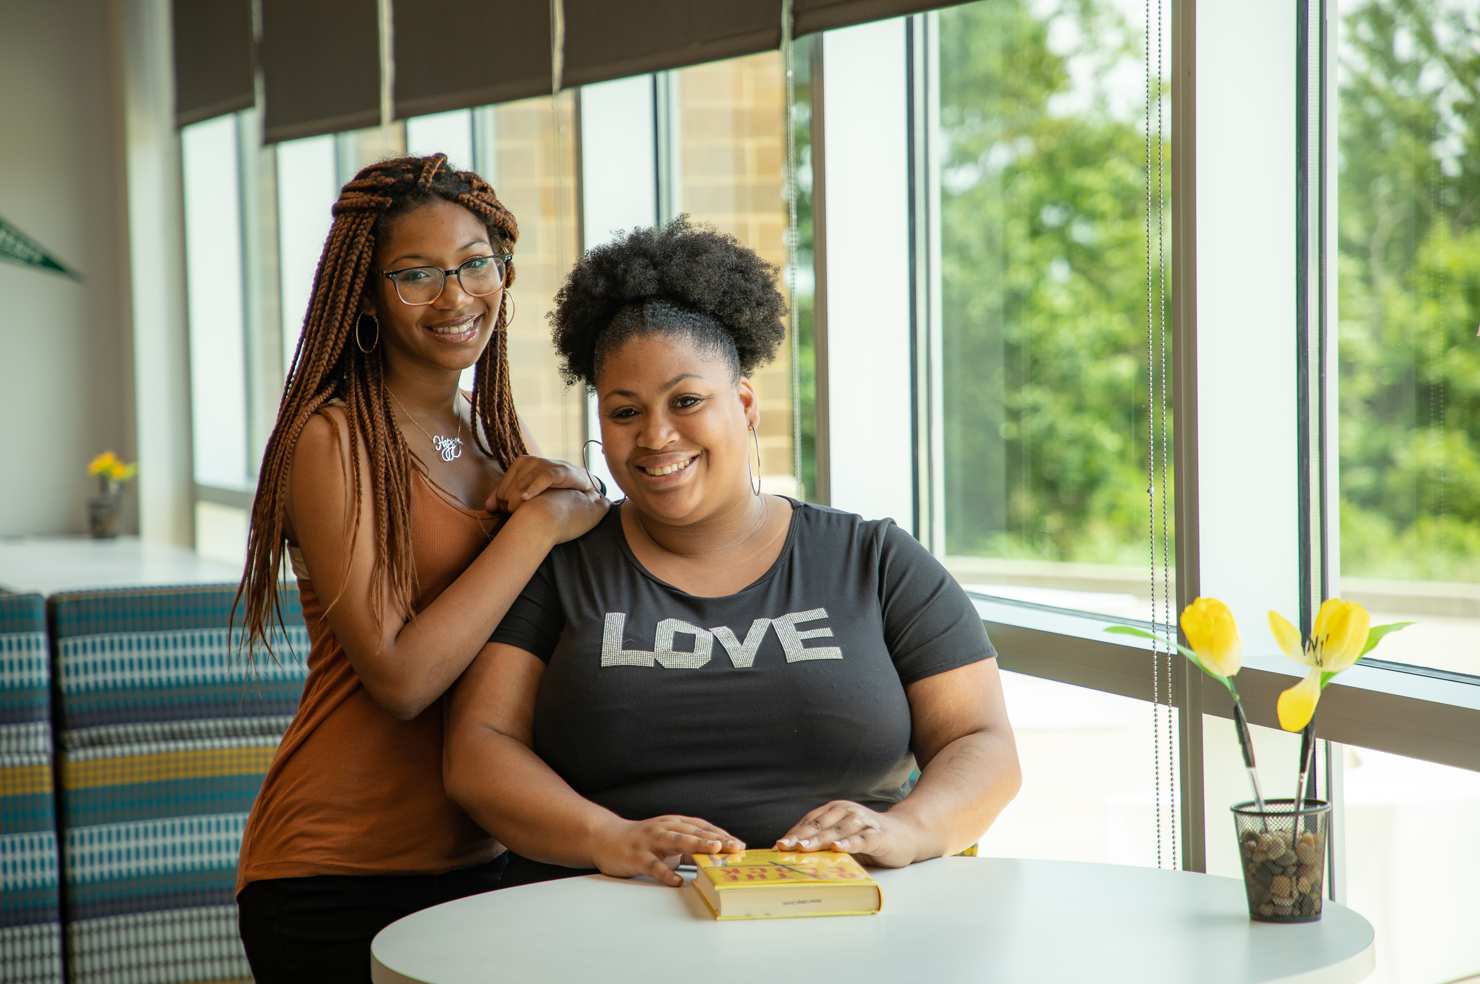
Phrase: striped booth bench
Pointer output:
(30, 921)
(166, 734)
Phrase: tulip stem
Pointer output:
(1307, 746)
(1246, 745)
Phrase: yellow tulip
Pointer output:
(1297, 705)
(1287, 636)
(1339, 635)
(102, 463)
(1337, 641)
(1211, 630)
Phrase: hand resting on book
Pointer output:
(655, 847)
(876, 838)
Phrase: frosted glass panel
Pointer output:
(1413, 864)
(870, 456)
(213, 254)
(618, 168)
(443, 133)
(1089, 790)
(307, 187)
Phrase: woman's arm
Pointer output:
(491, 770)
(968, 772)
(405, 663)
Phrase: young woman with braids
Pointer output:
(742, 668)
(377, 486)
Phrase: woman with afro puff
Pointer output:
(712, 667)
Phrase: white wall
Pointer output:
(66, 359)
(867, 198)
(156, 239)
(1248, 492)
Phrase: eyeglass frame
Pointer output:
(456, 272)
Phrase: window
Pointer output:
(307, 185)
(972, 343)
(726, 165)
(1399, 812)
(1043, 286)
(708, 141)
(216, 299)
(526, 150)
(1408, 259)
(1088, 792)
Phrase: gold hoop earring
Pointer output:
(755, 482)
(508, 302)
(361, 345)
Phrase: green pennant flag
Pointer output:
(20, 248)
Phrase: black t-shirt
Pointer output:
(751, 709)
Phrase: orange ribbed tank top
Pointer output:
(351, 789)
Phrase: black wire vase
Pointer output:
(1283, 858)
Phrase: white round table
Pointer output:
(952, 919)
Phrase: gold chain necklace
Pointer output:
(450, 448)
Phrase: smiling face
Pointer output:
(675, 427)
(450, 333)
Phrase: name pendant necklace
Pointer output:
(450, 448)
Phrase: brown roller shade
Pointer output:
(213, 58)
(608, 40)
(824, 15)
(453, 57)
(320, 67)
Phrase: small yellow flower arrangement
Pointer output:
(1281, 845)
(1342, 634)
(102, 510)
(111, 471)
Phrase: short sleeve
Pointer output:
(536, 618)
(930, 626)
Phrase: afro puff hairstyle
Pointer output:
(672, 279)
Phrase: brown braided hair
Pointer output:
(327, 367)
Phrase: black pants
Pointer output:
(319, 928)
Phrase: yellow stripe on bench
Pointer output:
(25, 780)
(190, 764)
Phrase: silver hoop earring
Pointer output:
(755, 482)
(361, 345)
(596, 483)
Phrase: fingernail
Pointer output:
(805, 843)
(788, 841)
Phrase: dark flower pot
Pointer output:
(102, 516)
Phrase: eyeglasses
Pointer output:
(479, 277)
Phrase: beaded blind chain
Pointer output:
(1158, 450)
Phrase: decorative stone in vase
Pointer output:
(102, 515)
(1283, 858)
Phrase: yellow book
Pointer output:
(771, 884)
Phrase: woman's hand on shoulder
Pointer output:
(529, 476)
(842, 825)
(627, 848)
(565, 513)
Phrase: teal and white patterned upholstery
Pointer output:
(30, 921)
(166, 734)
